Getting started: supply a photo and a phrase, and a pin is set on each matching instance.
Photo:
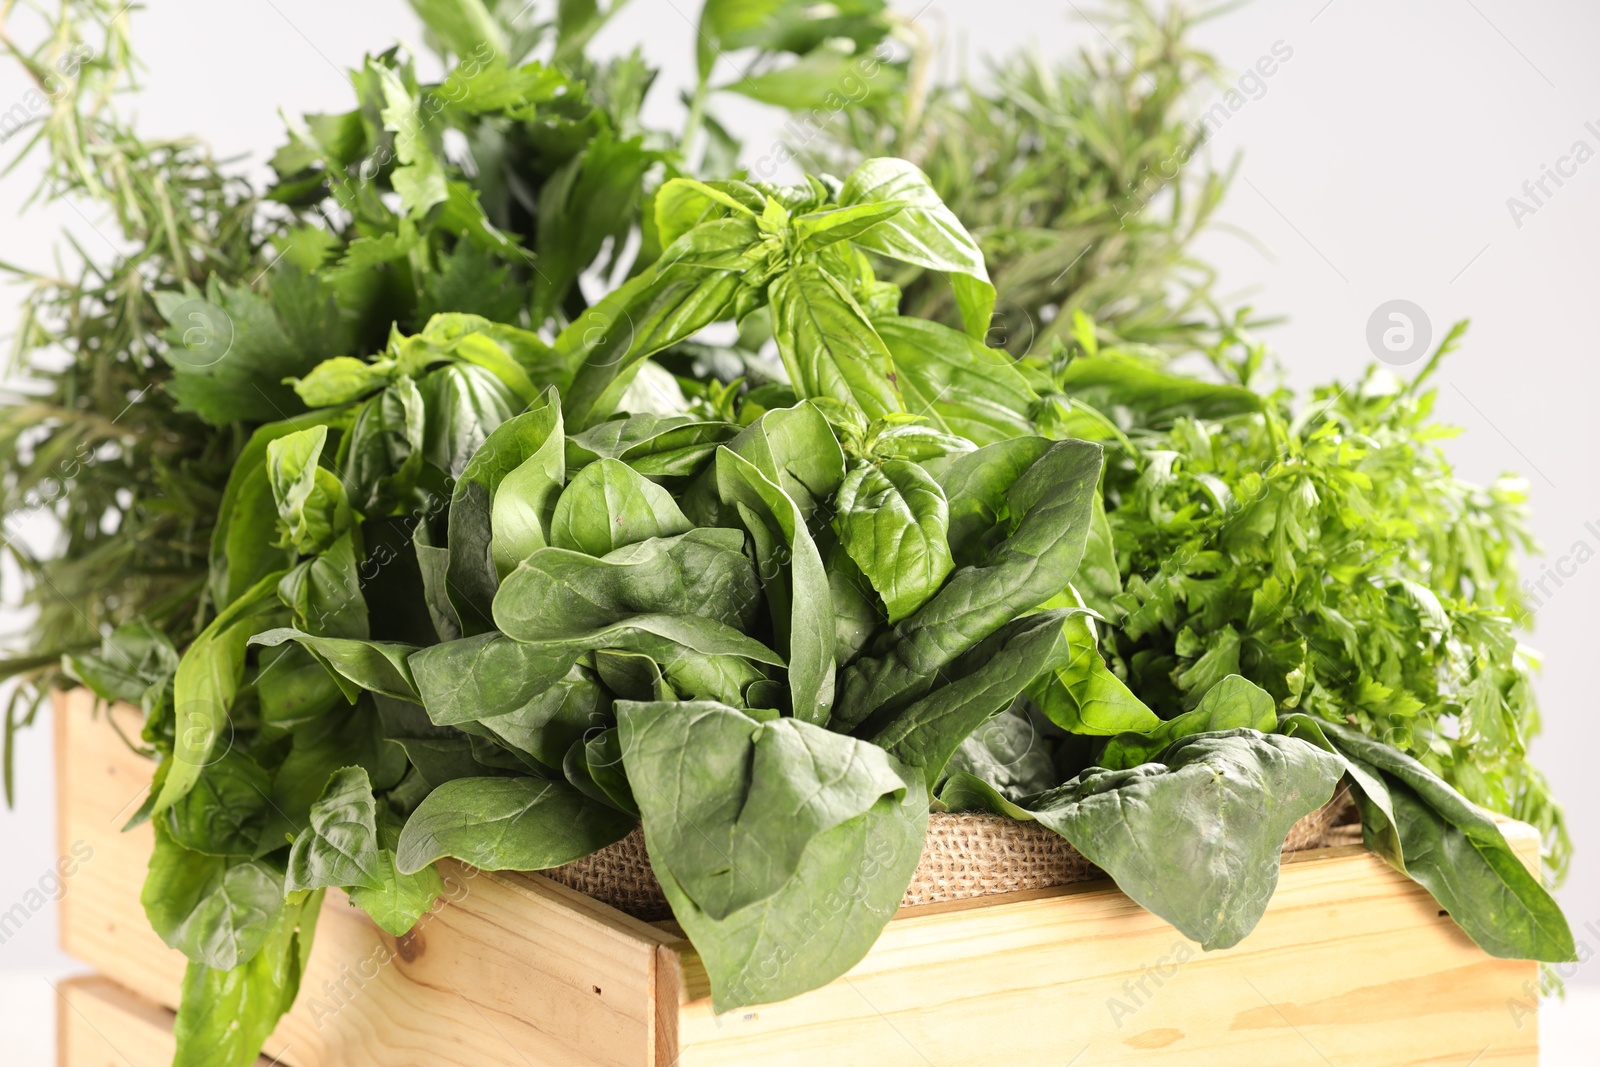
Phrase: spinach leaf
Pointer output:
(1043, 514)
(1196, 837)
(1010, 752)
(217, 910)
(795, 583)
(557, 594)
(340, 847)
(486, 676)
(824, 920)
(1453, 849)
(609, 505)
(732, 824)
(971, 689)
(497, 824)
(500, 508)
(924, 232)
(892, 520)
(227, 1015)
(828, 346)
(800, 862)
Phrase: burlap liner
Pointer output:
(964, 856)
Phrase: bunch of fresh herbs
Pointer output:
(482, 602)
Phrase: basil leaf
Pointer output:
(224, 812)
(217, 910)
(1084, 697)
(463, 405)
(399, 900)
(827, 345)
(340, 848)
(654, 445)
(312, 508)
(960, 384)
(325, 594)
(204, 685)
(973, 688)
(373, 666)
(1233, 703)
(225, 1016)
(892, 520)
(498, 824)
(925, 232)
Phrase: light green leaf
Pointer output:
(608, 506)
(828, 346)
(499, 824)
(340, 848)
(892, 521)
(925, 232)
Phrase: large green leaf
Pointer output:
(358, 666)
(1084, 697)
(835, 889)
(499, 824)
(654, 445)
(956, 381)
(828, 346)
(1197, 837)
(526, 455)
(227, 1015)
(340, 847)
(733, 823)
(217, 910)
(1455, 850)
(660, 307)
(892, 520)
(972, 689)
(1233, 703)
(793, 579)
(556, 594)
(1042, 515)
(608, 505)
(1110, 380)
(925, 232)
(204, 685)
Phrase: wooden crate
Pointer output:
(1353, 964)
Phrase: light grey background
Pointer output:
(1377, 165)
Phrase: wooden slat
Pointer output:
(516, 971)
(1352, 964)
(100, 1024)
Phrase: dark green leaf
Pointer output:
(497, 824)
